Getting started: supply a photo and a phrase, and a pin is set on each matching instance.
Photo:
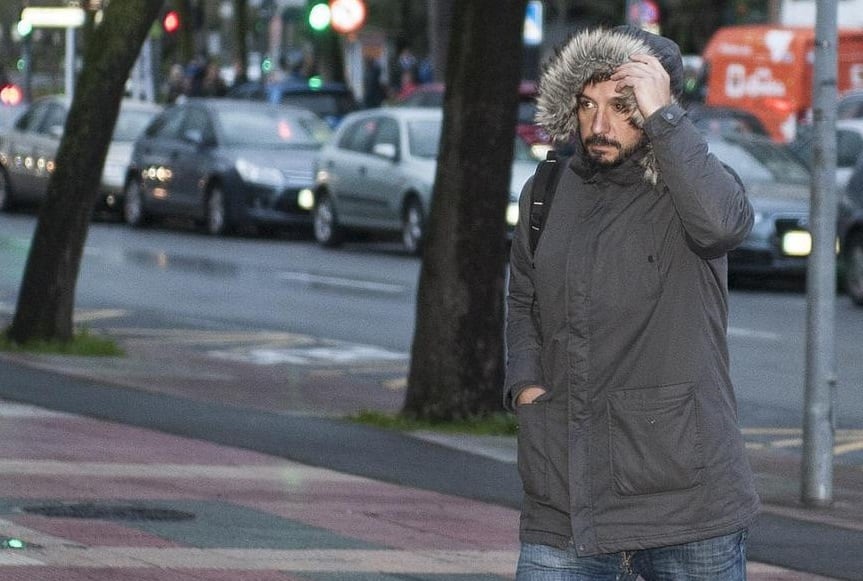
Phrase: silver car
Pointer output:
(28, 150)
(377, 174)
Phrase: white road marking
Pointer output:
(341, 282)
(340, 354)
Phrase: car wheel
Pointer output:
(217, 222)
(854, 268)
(413, 227)
(326, 223)
(134, 213)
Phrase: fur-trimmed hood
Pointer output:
(592, 54)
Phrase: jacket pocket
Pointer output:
(532, 450)
(654, 439)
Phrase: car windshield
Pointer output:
(424, 137)
(272, 129)
(760, 161)
(130, 124)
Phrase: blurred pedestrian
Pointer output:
(176, 84)
(630, 453)
(212, 84)
(374, 90)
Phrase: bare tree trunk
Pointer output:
(47, 295)
(457, 355)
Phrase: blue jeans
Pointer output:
(717, 559)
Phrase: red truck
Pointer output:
(767, 70)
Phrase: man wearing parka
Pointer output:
(618, 365)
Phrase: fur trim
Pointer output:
(588, 54)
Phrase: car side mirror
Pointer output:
(56, 131)
(387, 150)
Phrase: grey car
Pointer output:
(778, 186)
(230, 165)
(28, 150)
(850, 232)
(377, 173)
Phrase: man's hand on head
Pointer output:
(649, 82)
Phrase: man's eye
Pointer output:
(620, 108)
(585, 105)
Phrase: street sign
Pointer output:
(347, 15)
(40, 17)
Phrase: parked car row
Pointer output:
(245, 165)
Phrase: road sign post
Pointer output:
(819, 417)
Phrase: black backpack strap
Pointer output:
(541, 194)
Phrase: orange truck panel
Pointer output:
(767, 70)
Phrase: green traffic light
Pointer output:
(25, 27)
(21, 64)
(319, 17)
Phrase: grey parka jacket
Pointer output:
(621, 315)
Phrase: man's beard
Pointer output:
(598, 163)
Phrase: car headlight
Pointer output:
(257, 174)
(512, 213)
(796, 243)
(306, 199)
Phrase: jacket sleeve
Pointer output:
(710, 200)
(522, 333)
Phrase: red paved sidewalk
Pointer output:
(226, 513)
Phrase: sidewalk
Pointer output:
(99, 500)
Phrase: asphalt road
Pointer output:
(364, 293)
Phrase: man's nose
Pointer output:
(600, 122)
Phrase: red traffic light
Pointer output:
(171, 21)
(11, 95)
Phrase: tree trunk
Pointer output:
(457, 355)
(47, 295)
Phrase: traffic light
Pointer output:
(171, 21)
(24, 27)
(319, 15)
